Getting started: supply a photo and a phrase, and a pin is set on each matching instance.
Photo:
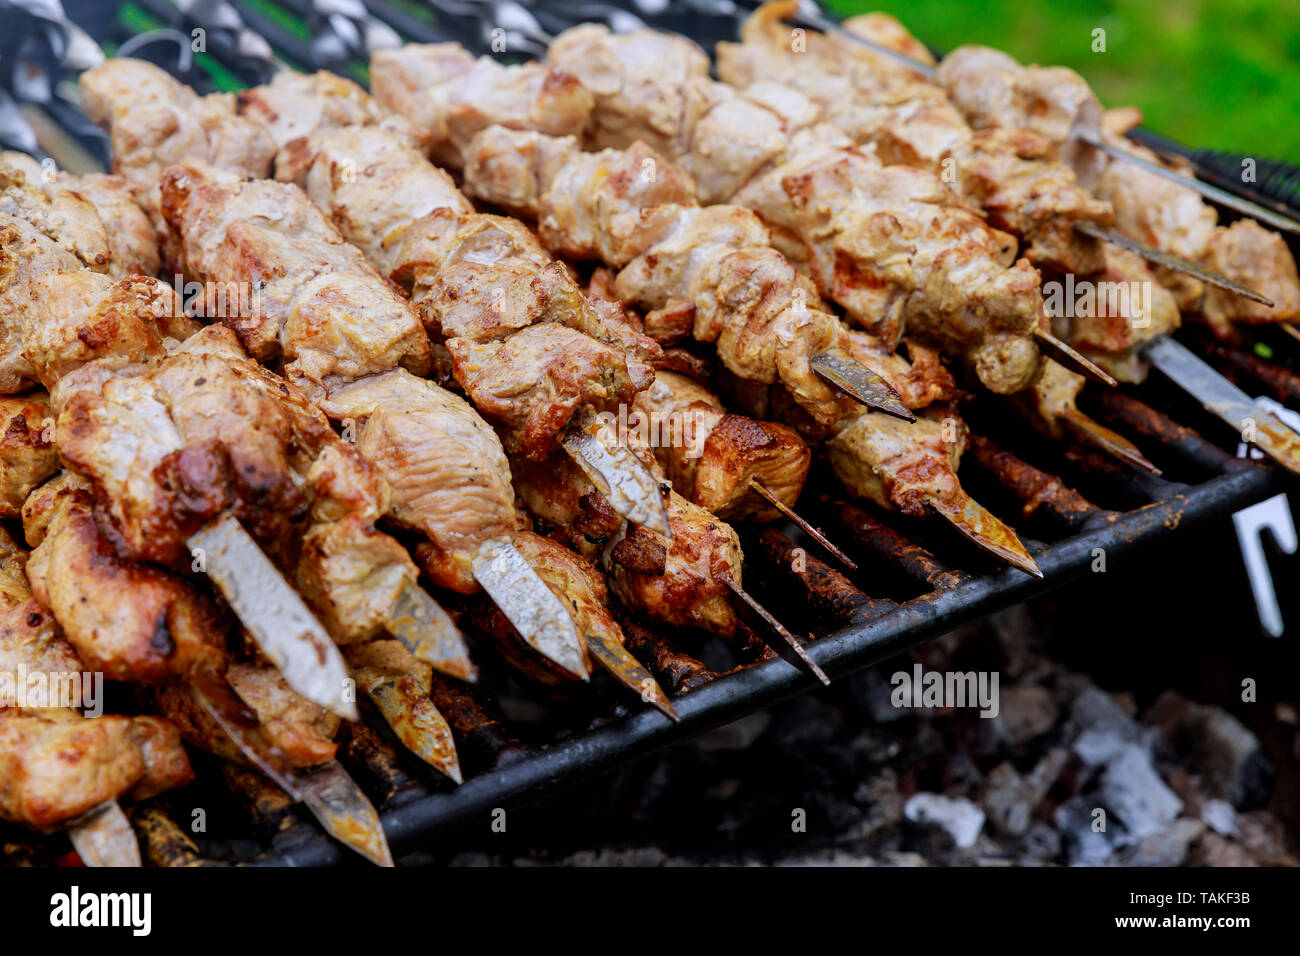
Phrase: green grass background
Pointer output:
(1218, 73)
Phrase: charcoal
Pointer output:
(1220, 816)
(1102, 729)
(1133, 792)
(1217, 746)
(1084, 845)
(1167, 847)
(1023, 714)
(961, 819)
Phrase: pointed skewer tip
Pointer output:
(780, 631)
(815, 533)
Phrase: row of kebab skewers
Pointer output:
(247, 506)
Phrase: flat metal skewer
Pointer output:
(1171, 261)
(860, 383)
(632, 491)
(628, 671)
(332, 797)
(104, 837)
(984, 528)
(428, 632)
(779, 630)
(273, 613)
(406, 708)
(774, 500)
(1108, 440)
(530, 606)
(1223, 399)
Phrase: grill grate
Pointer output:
(914, 581)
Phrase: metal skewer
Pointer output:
(1226, 401)
(780, 631)
(627, 670)
(984, 528)
(273, 613)
(428, 632)
(1106, 439)
(530, 606)
(775, 501)
(860, 383)
(405, 706)
(103, 837)
(333, 797)
(1066, 355)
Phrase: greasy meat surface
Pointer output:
(171, 448)
(992, 89)
(56, 322)
(313, 302)
(648, 90)
(1129, 309)
(894, 248)
(56, 765)
(132, 244)
(70, 221)
(449, 96)
(155, 121)
(27, 453)
(679, 583)
(897, 464)
(706, 272)
(451, 483)
(298, 104)
(711, 457)
(524, 343)
(587, 205)
(132, 621)
(1258, 259)
(301, 731)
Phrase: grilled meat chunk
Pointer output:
(56, 765)
(450, 96)
(27, 452)
(681, 582)
(314, 302)
(132, 621)
(992, 89)
(449, 483)
(294, 105)
(154, 121)
(524, 343)
(57, 322)
(897, 464)
(712, 457)
(300, 730)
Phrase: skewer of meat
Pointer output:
(1151, 204)
(1011, 171)
(469, 275)
(337, 329)
(61, 770)
(145, 142)
(739, 468)
(157, 428)
(881, 43)
(712, 270)
(893, 245)
(449, 97)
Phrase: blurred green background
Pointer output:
(1218, 73)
